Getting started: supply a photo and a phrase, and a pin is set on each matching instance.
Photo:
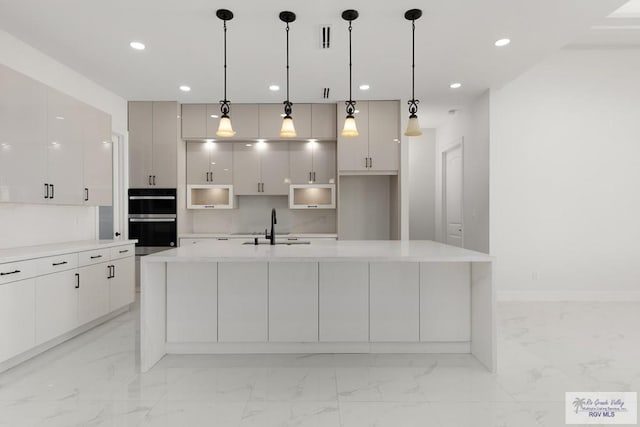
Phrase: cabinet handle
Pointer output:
(114, 271)
(10, 272)
(309, 176)
(55, 264)
(263, 187)
(86, 194)
(149, 179)
(46, 191)
(154, 180)
(108, 272)
(96, 256)
(52, 192)
(370, 162)
(314, 177)
(366, 162)
(124, 251)
(77, 280)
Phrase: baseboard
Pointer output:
(33, 352)
(568, 296)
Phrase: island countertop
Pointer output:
(342, 250)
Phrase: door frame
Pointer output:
(120, 185)
(458, 143)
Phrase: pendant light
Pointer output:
(350, 130)
(287, 130)
(224, 128)
(413, 127)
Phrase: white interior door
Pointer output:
(452, 193)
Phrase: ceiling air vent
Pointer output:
(325, 93)
(325, 37)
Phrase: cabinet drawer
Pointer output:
(57, 263)
(94, 257)
(123, 251)
(19, 270)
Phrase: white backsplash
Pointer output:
(254, 214)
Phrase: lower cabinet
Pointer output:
(93, 293)
(56, 304)
(344, 301)
(293, 302)
(122, 289)
(394, 301)
(192, 302)
(17, 317)
(243, 301)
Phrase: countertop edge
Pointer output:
(53, 249)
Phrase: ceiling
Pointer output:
(621, 29)
(184, 41)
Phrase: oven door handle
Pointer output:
(152, 197)
(152, 219)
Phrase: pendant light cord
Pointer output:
(413, 102)
(224, 104)
(351, 105)
(287, 103)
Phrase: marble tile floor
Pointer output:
(545, 349)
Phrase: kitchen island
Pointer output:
(325, 297)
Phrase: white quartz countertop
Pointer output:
(252, 235)
(341, 250)
(40, 251)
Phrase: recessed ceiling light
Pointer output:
(59, 117)
(455, 85)
(185, 88)
(213, 163)
(274, 88)
(137, 45)
(502, 42)
(365, 87)
(214, 116)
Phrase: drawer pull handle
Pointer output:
(96, 256)
(11, 272)
(77, 280)
(124, 251)
(59, 263)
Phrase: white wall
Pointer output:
(422, 186)
(20, 224)
(565, 177)
(471, 124)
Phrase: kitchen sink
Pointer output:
(285, 242)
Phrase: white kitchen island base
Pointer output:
(333, 297)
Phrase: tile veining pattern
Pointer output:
(545, 349)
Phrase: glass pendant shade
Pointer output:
(288, 130)
(413, 127)
(350, 129)
(224, 128)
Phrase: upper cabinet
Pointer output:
(376, 149)
(209, 162)
(153, 144)
(46, 145)
(261, 169)
(312, 162)
(259, 121)
(200, 121)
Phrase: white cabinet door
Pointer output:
(301, 120)
(93, 293)
(140, 144)
(65, 122)
(353, 152)
(293, 302)
(221, 162)
(198, 162)
(192, 302)
(56, 303)
(17, 318)
(194, 122)
(165, 144)
(445, 301)
(242, 301)
(122, 283)
(245, 121)
(384, 133)
(97, 167)
(344, 301)
(324, 162)
(23, 131)
(394, 301)
(274, 166)
(323, 121)
(271, 120)
(246, 169)
(301, 162)
(213, 120)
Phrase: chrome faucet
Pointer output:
(272, 236)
